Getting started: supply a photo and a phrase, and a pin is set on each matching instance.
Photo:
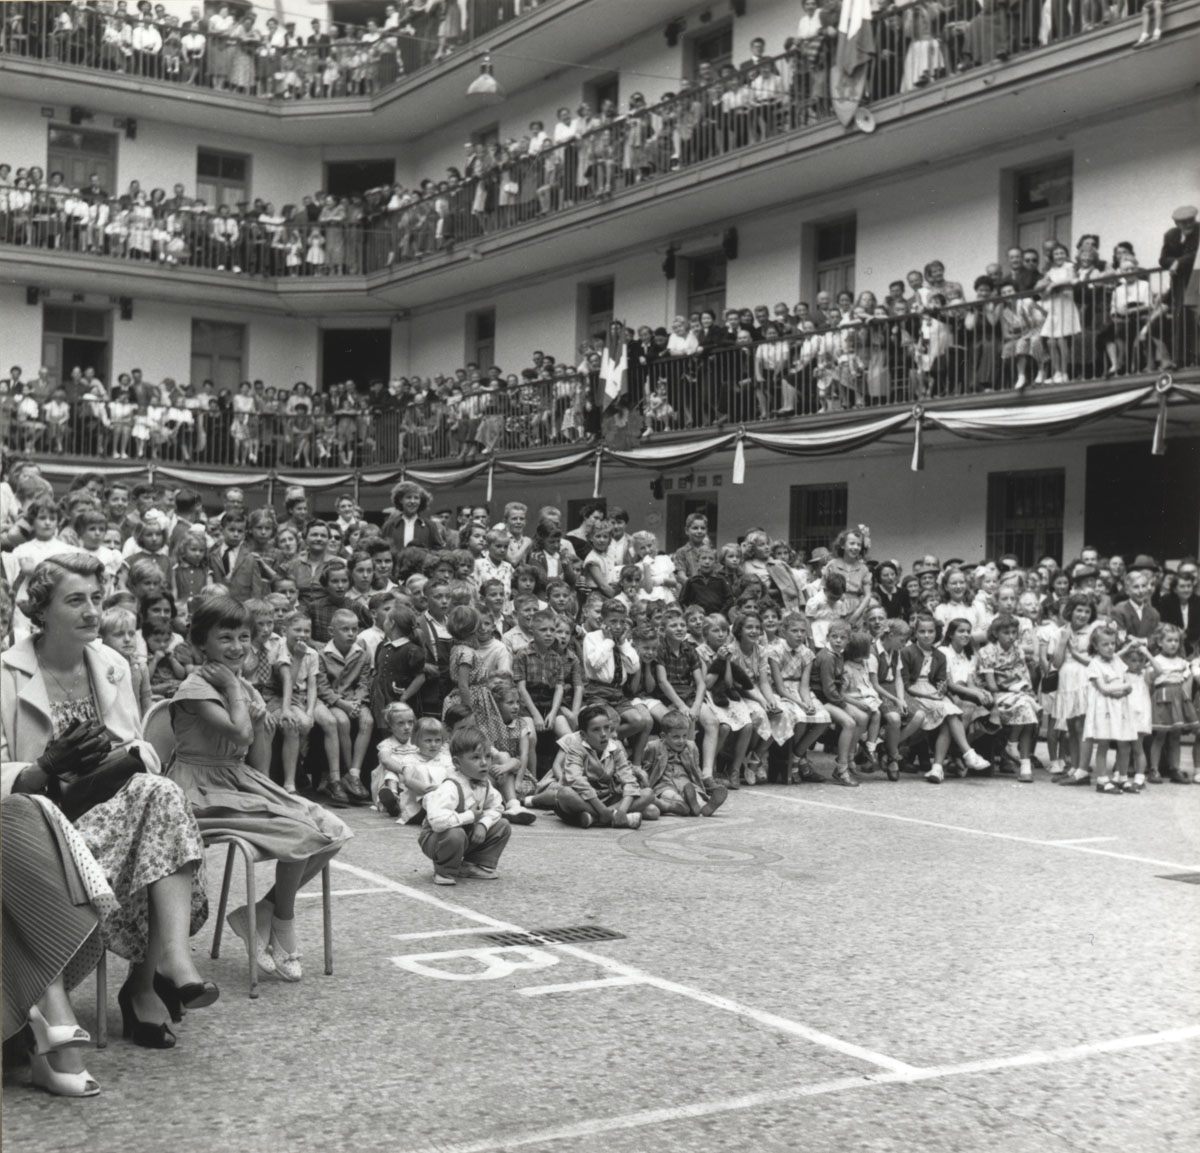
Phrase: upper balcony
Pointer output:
(714, 154)
(977, 369)
(395, 86)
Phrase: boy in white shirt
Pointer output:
(465, 831)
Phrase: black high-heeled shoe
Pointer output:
(168, 995)
(143, 1033)
(180, 998)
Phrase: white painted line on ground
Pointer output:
(972, 832)
(579, 986)
(1082, 841)
(713, 1000)
(648, 1117)
(342, 893)
(432, 933)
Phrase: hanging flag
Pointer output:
(613, 373)
(739, 460)
(855, 53)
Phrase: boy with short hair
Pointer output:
(465, 831)
(520, 635)
(680, 684)
(369, 639)
(344, 687)
(542, 673)
(708, 588)
(612, 673)
(672, 766)
(598, 784)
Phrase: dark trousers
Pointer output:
(449, 849)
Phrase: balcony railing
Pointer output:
(262, 61)
(999, 347)
(508, 186)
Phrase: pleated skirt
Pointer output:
(49, 927)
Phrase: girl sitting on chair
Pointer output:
(223, 735)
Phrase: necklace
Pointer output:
(70, 689)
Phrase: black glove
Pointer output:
(77, 751)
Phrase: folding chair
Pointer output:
(157, 730)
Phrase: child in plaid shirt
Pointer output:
(543, 674)
(679, 674)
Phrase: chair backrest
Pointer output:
(158, 732)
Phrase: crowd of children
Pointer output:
(453, 674)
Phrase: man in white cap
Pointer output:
(1178, 259)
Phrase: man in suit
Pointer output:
(1137, 617)
(758, 57)
(1181, 607)
(1178, 258)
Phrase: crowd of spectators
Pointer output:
(1039, 317)
(584, 153)
(234, 50)
(673, 622)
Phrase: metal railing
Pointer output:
(265, 60)
(605, 156)
(1005, 347)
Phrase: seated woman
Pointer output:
(67, 706)
(223, 734)
(53, 896)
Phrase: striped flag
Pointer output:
(855, 51)
(613, 373)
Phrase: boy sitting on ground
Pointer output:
(673, 766)
(598, 785)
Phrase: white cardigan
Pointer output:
(25, 719)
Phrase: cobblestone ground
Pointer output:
(979, 966)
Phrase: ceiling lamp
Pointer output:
(485, 87)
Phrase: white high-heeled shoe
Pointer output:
(62, 1084)
(49, 1038)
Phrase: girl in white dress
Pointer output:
(1110, 718)
(1062, 322)
(1071, 701)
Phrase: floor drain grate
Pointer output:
(571, 935)
(1186, 878)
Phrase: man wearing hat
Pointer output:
(1178, 258)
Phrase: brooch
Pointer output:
(114, 675)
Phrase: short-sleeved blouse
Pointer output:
(960, 667)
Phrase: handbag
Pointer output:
(77, 793)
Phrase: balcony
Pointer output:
(974, 369)
(395, 89)
(528, 216)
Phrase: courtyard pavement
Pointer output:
(979, 966)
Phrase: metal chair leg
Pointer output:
(252, 910)
(102, 1002)
(224, 903)
(327, 910)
